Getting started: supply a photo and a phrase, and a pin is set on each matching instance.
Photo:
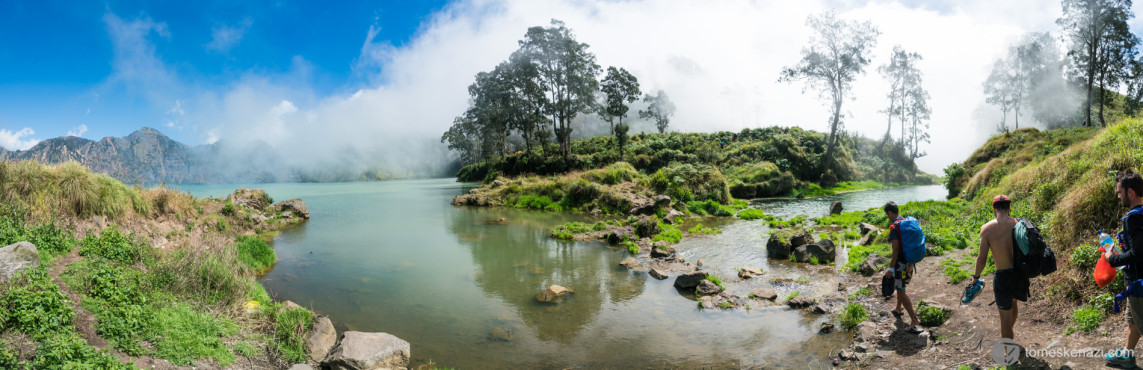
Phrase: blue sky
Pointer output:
(378, 82)
(59, 67)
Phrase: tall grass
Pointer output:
(67, 189)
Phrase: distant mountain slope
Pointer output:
(147, 156)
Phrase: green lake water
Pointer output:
(396, 257)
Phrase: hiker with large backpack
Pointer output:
(1010, 283)
(908, 244)
(1129, 188)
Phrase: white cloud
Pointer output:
(177, 108)
(718, 60)
(224, 37)
(78, 131)
(19, 140)
(135, 64)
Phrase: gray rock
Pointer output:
(800, 302)
(663, 201)
(824, 251)
(748, 272)
(249, 198)
(861, 348)
(700, 262)
(672, 216)
(621, 234)
(707, 302)
(293, 207)
(764, 293)
(869, 238)
(646, 227)
(655, 273)
(629, 262)
(642, 206)
(847, 355)
(835, 208)
(825, 328)
(778, 247)
(690, 280)
(707, 287)
(873, 263)
(883, 354)
(866, 333)
(321, 339)
(300, 367)
(553, 294)
(17, 257)
(866, 228)
(358, 350)
(802, 239)
(662, 251)
(820, 309)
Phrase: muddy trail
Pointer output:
(968, 336)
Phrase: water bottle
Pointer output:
(971, 291)
(1108, 243)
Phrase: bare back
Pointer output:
(996, 236)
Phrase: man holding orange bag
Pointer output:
(1128, 188)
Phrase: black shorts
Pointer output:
(1008, 286)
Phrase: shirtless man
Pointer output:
(1009, 284)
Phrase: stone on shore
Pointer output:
(873, 263)
(866, 228)
(295, 207)
(321, 339)
(764, 293)
(250, 198)
(869, 237)
(367, 351)
(824, 251)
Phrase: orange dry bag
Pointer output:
(1104, 273)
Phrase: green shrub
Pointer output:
(709, 207)
(229, 209)
(255, 253)
(631, 246)
(8, 358)
(751, 214)
(669, 233)
(1087, 318)
(113, 245)
(861, 292)
(69, 351)
(116, 296)
(956, 274)
(290, 327)
(35, 305)
(700, 229)
(533, 201)
(1103, 301)
(1085, 256)
(245, 349)
(185, 335)
(853, 315)
(931, 316)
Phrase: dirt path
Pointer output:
(968, 336)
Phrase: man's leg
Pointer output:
(903, 298)
(1007, 319)
(1132, 336)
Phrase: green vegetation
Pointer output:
(797, 221)
(861, 292)
(751, 214)
(710, 208)
(953, 268)
(792, 295)
(853, 315)
(1085, 256)
(669, 233)
(931, 316)
(714, 279)
(290, 329)
(700, 229)
(1087, 317)
(255, 253)
(175, 305)
(857, 254)
(631, 246)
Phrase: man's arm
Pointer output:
(981, 256)
(1134, 237)
(895, 245)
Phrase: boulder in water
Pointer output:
(690, 280)
(707, 287)
(800, 302)
(748, 272)
(655, 273)
(295, 207)
(553, 294)
(824, 251)
(835, 208)
(646, 227)
(764, 293)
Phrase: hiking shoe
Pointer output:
(1121, 359)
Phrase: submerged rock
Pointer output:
(748, 272)
(825, 328)
(554, 293)
(359, 350)
(707, 302)
(629, 262)
(655, 273)
(17, 257)
(764, 293)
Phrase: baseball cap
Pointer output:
(1001, 199)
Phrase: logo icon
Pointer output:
(1006, 352)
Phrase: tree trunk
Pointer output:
(832, 135)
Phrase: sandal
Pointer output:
(915, 330)
(897, 314)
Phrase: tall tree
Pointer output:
(903, 76)
(568, 71)
(837, 53)
(1097, 33)
(621, 137)
(918, 112)
(998, 89)
(659, 109)
(619, 89)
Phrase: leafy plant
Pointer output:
(931, 316)
(35, 305)
(1087, 317)
(853, 315)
